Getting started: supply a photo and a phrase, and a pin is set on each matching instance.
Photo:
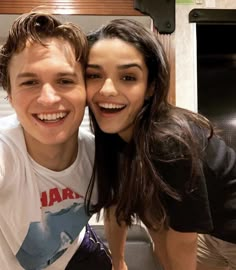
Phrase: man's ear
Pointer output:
(9, 98)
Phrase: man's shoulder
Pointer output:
(85, 134)
(11, 131)
(8, 122)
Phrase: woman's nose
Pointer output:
(108, 88)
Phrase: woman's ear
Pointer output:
(150, 92)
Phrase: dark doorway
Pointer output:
(216, 76)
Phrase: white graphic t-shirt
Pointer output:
(41, 211)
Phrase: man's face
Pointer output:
(47, 92)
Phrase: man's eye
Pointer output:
(128, 78)
(65, 81)
(30, 82)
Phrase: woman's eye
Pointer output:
(92, 76)
(128, 78)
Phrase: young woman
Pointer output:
(157, 162)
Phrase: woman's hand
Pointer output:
(121, 266)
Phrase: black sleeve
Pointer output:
(210, 206)
(192, 212)
(220, 166)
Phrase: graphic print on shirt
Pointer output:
(46, 241)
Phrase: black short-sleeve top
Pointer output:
(210, 206)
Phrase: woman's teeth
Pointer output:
(110, 106)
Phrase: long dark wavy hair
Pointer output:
(128, 174)
(36, 26)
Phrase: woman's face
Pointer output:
(116, 80)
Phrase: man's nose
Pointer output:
(48, 95)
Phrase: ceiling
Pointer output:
(86, 22)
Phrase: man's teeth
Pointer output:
(51, 116)
(110, 106)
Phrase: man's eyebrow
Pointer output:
(33, 75)
(26, 75)
(61, 74)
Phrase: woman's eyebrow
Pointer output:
(93, 66)
(130, 65)
(123, 66)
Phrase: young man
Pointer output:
(45, 160)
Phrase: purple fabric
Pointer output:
(92, 254)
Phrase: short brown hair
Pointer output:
(34, 27)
